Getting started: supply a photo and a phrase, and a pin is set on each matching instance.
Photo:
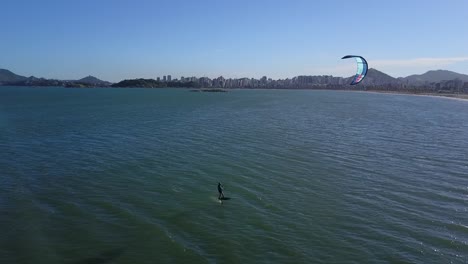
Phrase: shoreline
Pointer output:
(460, 97)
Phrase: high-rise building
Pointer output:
(169, 78)
(158, 79)
(164, 78)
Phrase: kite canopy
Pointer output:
(361, 68)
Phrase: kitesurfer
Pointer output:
(220, 191)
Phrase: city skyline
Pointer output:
(117, 40)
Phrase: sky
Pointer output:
(118, 39)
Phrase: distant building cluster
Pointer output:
(316, 82)
(264, 82)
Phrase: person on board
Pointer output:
(220, 191)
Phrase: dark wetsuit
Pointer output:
(220, 190)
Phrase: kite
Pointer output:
(361, 68)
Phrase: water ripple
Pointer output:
(313, 177)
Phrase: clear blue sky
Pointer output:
(114, 39)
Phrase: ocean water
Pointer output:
(129, 176)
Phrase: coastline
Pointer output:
(461, 97)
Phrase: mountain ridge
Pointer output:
(93, 80)
(436, 76)
(9, 78)
(374, 78)
(6, 76)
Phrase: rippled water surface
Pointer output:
(129, 176)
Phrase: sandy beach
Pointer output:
(462, 97)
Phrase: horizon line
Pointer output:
(205, 76)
